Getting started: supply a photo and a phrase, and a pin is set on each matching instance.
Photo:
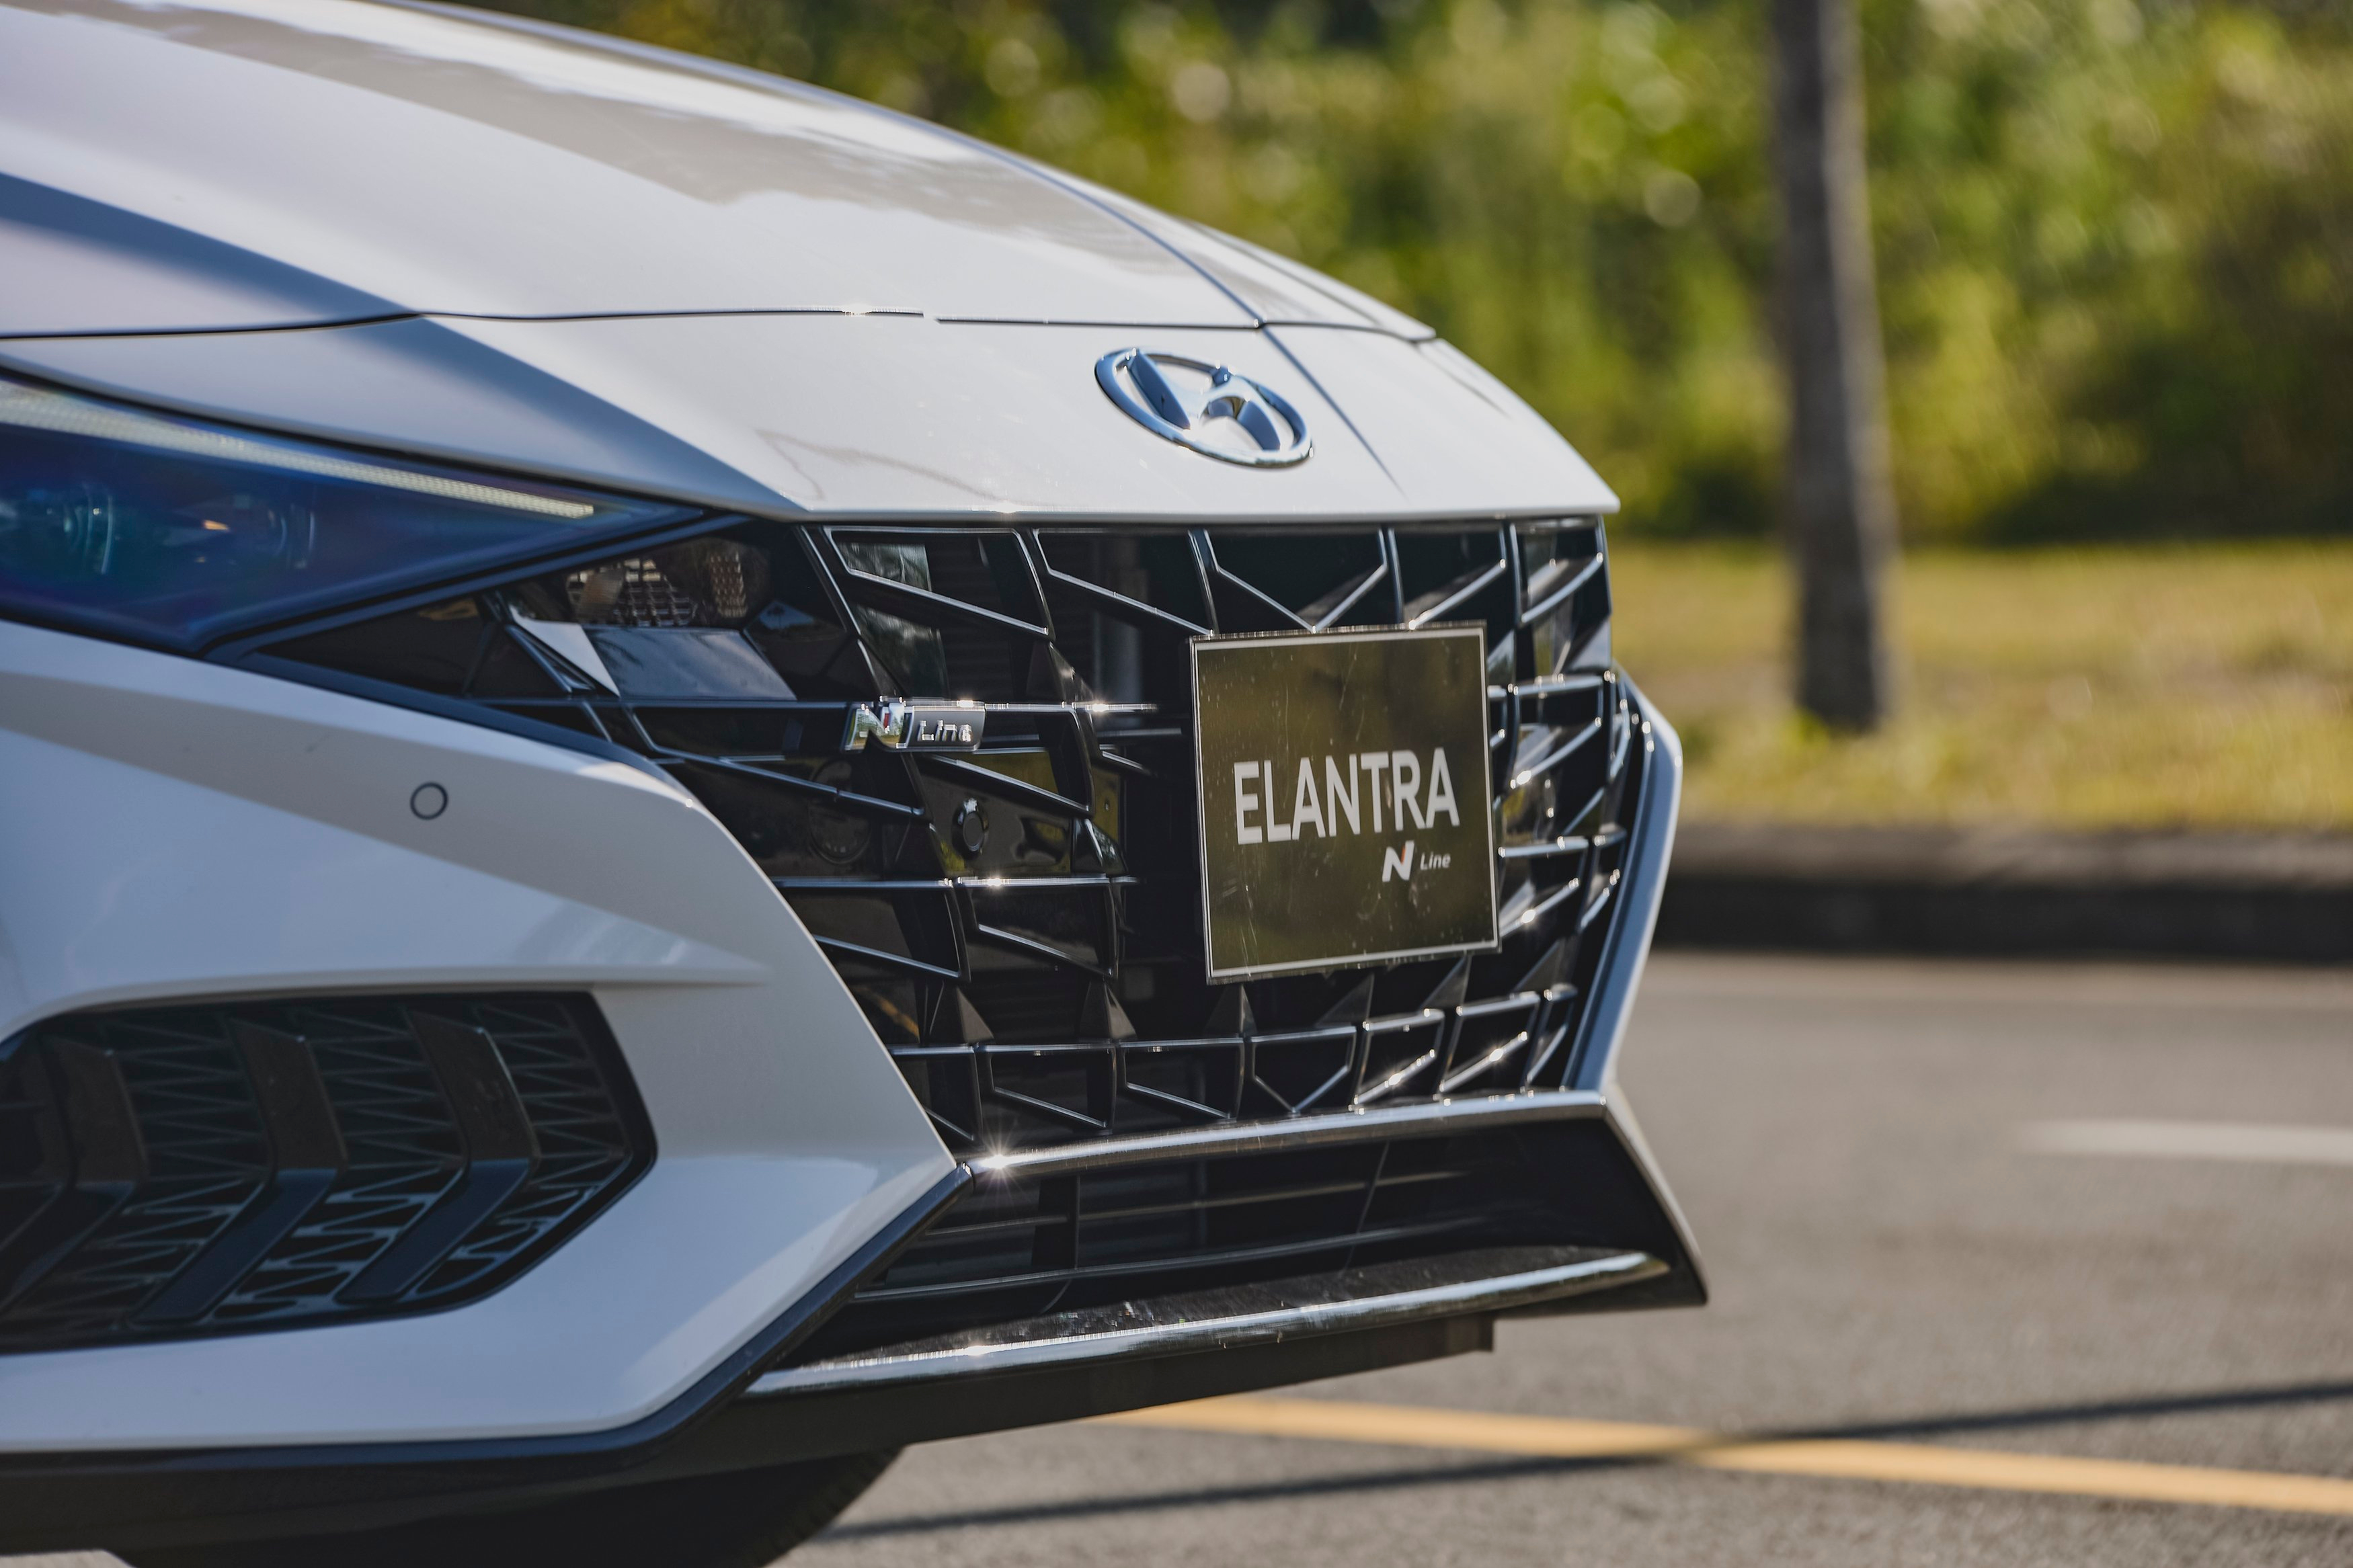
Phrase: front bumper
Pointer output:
(176, 830)
(794, 1163)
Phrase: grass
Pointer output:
(2194, 686)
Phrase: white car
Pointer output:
(696, 781)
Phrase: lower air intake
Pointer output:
(1069, 1235)
(198, 1170)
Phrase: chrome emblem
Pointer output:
(902, 726)
(1205, 406)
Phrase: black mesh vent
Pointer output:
(199, 1169)
(1017, 1247)
(1022, 924)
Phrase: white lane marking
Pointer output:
(2243, 1141)
(1994, 983)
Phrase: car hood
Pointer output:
(238, 163)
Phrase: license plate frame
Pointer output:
(1390, 704)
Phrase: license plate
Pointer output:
(1344, 798)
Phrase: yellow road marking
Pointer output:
(1345, 1421)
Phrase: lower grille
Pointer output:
(203, 1169)
(1477, 1284)
(1027, 1246)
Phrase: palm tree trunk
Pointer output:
(1842, 502)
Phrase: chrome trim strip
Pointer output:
(1494, 1293)
(1644, 879)
(1462, 595)
(1621, 972)
(1305, 1133)
(1544, 686)
(1566, 844)
(1557, 756)
(1554, 600)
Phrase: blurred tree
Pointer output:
(1841, 504)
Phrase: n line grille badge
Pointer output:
(903, 726)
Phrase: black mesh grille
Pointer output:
(1017, 1248)
(1049, 984)
(205, 1168)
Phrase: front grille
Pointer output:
(1022, 925)
(202, 1169)
(1022, 1247)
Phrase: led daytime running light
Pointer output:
(35, 409)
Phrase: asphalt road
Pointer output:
(1912, 1218)
(2054, 1211)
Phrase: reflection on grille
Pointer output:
(1020, 1247)
(1022, 924)
(205, 1168)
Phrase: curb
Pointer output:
(2010, 892)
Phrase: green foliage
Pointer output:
(2117, 246)
(2115, 236)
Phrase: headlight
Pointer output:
(175, 532)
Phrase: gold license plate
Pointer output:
(1344, 798)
